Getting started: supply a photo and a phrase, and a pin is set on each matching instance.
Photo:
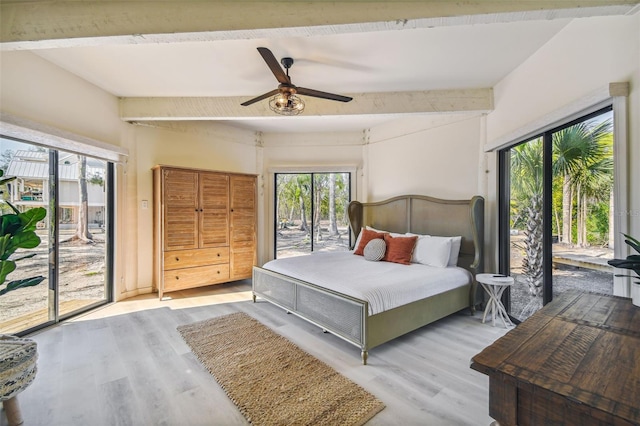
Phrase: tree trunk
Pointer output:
(333, 220)
(611, 212)
(82, 230)
(583, 227)
(533, 243)
(566, 210)
(303, 216)
(579, 224)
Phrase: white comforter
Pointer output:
(384, 285)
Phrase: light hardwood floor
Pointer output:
(126, 364)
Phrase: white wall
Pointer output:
(35, 89)
(430, 155)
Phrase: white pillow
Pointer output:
(455, 251)
(432, 251)
(455, 248)
(393, 234)
(355, 246)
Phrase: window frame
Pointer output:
(272, 172)
(503, 187)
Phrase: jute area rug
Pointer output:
(271, 380)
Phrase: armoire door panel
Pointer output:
(181, 209)
(243, 209)
(214, 204)
(243, 257)
(243, 226)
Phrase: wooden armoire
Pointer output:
(204, 227)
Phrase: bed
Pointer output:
(350, 316)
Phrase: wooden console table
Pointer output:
(575, 362)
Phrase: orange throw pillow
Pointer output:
(367, 235)
(399, 249)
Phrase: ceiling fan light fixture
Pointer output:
(286, 104)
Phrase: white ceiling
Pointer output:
(471, 56)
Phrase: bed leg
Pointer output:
(472, 308)
(364, 354)
(254, 297)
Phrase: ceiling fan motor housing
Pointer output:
(286, 62)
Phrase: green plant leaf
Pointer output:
(31, 217)
(632, 242)
(4, 245)
(6, 267)
(27, 239)
(7, 180)
(27, 256)
(10, 224)
(631, 262)
(14, 208)
(27, 282)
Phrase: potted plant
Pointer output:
(17, 230)
(632, 262)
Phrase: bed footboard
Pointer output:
(344, 316)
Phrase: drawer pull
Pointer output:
(218, 254)
(177, 259)
(177, 277)
(218, 272)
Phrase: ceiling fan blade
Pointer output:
(273, 65)
(323, 95)
(261, 97)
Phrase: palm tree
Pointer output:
(593, 182)
(573, 147)
(527, 189)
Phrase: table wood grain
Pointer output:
(576, 361)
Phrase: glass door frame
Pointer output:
(53, 216)
(312, 172)
(504, 191)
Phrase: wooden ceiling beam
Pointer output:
(46, 24)
(229, 108)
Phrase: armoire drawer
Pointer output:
(178, 259)
(194, 277)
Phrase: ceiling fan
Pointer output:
(284, 99)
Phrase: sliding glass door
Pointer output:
(311, 213)
(556, 222)
(82, 246)
(73, 256)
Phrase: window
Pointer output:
(74, 256)
(311, 212)
(556, 212)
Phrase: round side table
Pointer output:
(495, 285)
(17, 370)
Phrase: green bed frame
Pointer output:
(347, 317)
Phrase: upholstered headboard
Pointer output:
(420, 214)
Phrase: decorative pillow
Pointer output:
(432, 251)
(399, 249)
(375, 249)
(367, 236)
